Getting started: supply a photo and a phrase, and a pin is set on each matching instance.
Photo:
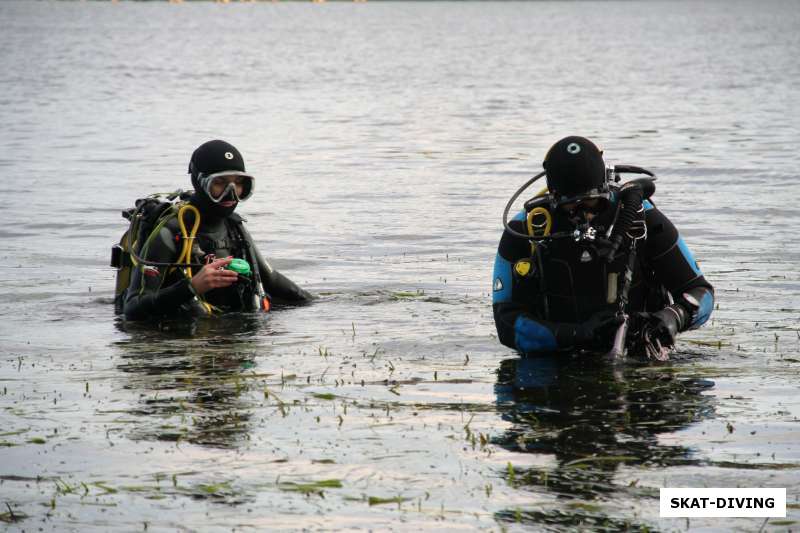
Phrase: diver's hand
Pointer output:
(662, 325)
(655, 332)
(214, 276)
(599, 329)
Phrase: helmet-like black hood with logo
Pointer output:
(210, 158)
(575, 170)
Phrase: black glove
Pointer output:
(598, 330)
(657, 331)
(663, 325)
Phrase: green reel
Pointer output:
(240, 266)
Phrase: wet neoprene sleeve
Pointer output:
(676, 268)
(281, 289)
(157, 292)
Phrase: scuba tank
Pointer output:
(143, 218)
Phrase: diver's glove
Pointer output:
(657, 331)
(595, 332)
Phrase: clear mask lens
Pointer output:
(236, 186)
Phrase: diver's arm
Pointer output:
(519, 330)
(675, 268)
(146, 298)
(282, 290)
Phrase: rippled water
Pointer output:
(386, 138)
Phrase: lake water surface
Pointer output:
(386, 138)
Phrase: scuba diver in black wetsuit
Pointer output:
(592, 265)
(194, 257)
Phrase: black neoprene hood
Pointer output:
(215, 156)
(209, 158)
(574, 166)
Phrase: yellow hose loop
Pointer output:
(540, 222)
(532, 227)
(188, 237)
(188, 241)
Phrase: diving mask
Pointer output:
(592, 205)
(227, 184)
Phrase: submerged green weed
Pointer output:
(511, 474)
(105, 488)
(12, 516)
(324, 396)
(314, 487)
(374, 500)
(12, 433)
(599, 459)
(405, 295)
(589, 507)
(713, 344)
(214, 489)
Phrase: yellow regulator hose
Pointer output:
(188, 241)
(188, 237)
(540, 227)
(540, 221)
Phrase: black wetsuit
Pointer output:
(166, 292)
(568, 283)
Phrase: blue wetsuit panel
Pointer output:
(501, 284)
(501, 278)
(530, 336)
(704, 311)
(687, 254)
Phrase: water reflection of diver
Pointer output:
(193, 390)
(592, 264)
(593, 417)
(194, 257)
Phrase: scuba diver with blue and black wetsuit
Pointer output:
(194, 257)
(592, 265)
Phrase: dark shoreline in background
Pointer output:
(336, 1)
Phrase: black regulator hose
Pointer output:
(515, 233)
(511, 202)
(632, 169)
(631, 197)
